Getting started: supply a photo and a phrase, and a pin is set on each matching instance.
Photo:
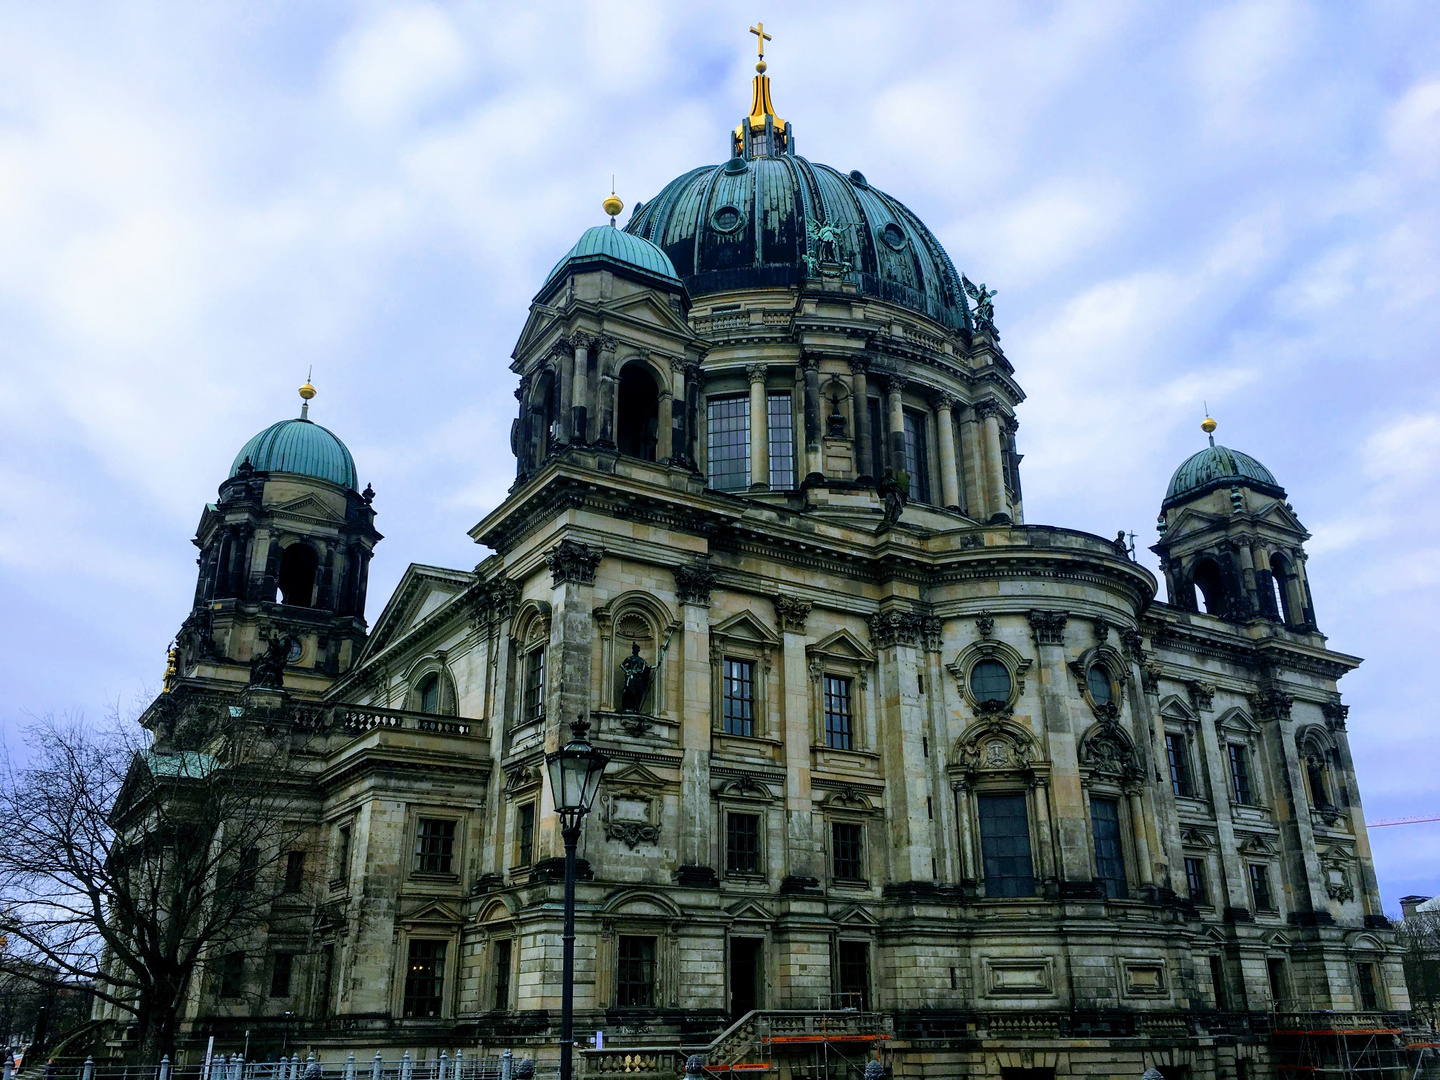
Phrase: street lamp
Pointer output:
(575, 771)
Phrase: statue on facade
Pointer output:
(636, 676)
(984, 306)
(894, 489)
(267, 669)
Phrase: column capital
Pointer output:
(791, 612)
(580, 341)
(943, 400)
(809, 361)
(560, 350)
(987, 407)
(693, 584)
(895, 628)
(570, 561)
(1048, 626)
(892, 382)
(859, 365)
(757, 372)
(606, 343)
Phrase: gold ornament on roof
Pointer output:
(761, 108)
(306, 393)
(1208, 425)
(612, 205)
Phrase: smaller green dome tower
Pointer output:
(301, 447)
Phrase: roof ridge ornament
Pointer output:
(762, 133)
(306, 393)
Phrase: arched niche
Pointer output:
(298, 574)
(430, 688)
(634, 619)
(637, 409)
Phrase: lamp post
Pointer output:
(575, 771)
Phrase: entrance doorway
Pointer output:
(746, 971)
(854, 957)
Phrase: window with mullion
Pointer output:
(917, 456)
(728, 442)
(839, 719)
(1240, 775)
(782, 441)
(847, 850)
(739, 697)
(1109, 850)
(434, 846)
(1195, 880)
(1260, 887)
(1005, 846)
(1179, 764)
(742, 843)
(533, 703)
(425, 978)
(635, 973)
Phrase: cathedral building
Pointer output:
(884, 756)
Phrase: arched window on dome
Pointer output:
(298, 565)
(637, 416)
(1210, 583)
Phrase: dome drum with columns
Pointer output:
(883, 755)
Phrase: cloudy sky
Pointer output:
(1178, 203)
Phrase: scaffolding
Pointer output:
(1338, 1046)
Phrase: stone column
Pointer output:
(1045, 854)
(694, 378)
(679, 436)
(579, 413)
(1272, 708)
(1142, 839)
(989, 412)
(521, 439)
(864, 437)
(898, 728)
(565, 368)
(894, 384)
(1069, 810)
(810, 371)
(802, 854)
(692, 589)
(1247, 578)
(567, 660)
(759, 429)
(1217, 765)
(949, 474)
(976, 498)
(1302, 586)
(964, 812)
(664, 436)
(609, 387)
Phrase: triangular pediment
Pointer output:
(648, 307)
(751, 911)
(856, 916)
(308, 506)
(1190, 520)
(539, 330)
(634, 775)
(422, 591)
(1277, 513)
(842, 643)
(433, 912)
(745, 626)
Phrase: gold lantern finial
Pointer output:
(764, 142)
(612, 205)
(1208, 425)
(306, 393)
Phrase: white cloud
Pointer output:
(407, 58)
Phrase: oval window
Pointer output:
(990, 681)
(894, 237)
(858, 178)
(1098, 679)
(727, 219)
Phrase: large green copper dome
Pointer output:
(605, 244)
(301, 447)
(1219, 466)
(752, 223)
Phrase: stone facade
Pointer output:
(960, 772)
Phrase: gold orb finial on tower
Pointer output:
(612, 206)
(1208, 425)
(307, 392)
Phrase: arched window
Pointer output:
(545, 410)
(637, 420)
(1211, 585)
(1098, 680)
(1315, 771)
(430, 694)
(297, 575)
(990, 681)
(1280, 575)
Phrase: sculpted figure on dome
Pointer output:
(984, 306)
(894, 489)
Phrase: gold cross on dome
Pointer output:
(760, 37)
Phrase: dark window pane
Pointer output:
(1217, 982)
(1109, 854)
(1179, 764)
(502, 974)
(294, 871)
(854, 957)
(1260, 887)
(728, 442)
(1098, 680)
(1275, 968)
(533, 706)
(425, 978)
(1240, 774)
(1005, 846)
(635, 973)
(782, 441)
(917, 456)
(1319, 790)
(1369, 996)
(342, 852)
(839, 730)
(434, 846)
(739, 694)
(848, 850)
(232, 974)
(281, 966)
(1195, 880)
(525, 835)
(430, 695)
(742, 843)
(990, 681)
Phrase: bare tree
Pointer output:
(1419, 936)
(135, 869)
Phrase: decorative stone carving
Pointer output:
(930, 633)
(1048, 626)
(1335, 714)
(581, 342)
(791, 613)
(757, 372)
(1102, 631)
(1134, 644)
(1150, 678)
(573, 562)
(1272, 703)
(987, 407)
(1202, 696)
(894, 628)
(267, 669)
(693, 584)
(1107, 750)
(985, 624)
(995, 743)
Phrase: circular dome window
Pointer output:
(990, 681)
(727, 219)
(736, 165)
(858, 178)
(894, 237)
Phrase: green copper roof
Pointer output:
(1219, 466)
(604, 243)
(301, 447)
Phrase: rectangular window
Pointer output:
(232, 974)
(839, 730)
(502, 974)
(879, 447)
(1179, 764)
(1260, 887)
(247, 868)
(525, 834)
(1109, 853)
(782, 441)
(847, 850)
(742, 843)
(434, 846)
(533, 703)
(1195, 880)
(425, 978)
(295, 871)
(917, 456)
(854, 957)
(635, 973)
(1217, 983)
(327, 972)
(1275, 969)
(728, 442)
(739, 695)
(342, 852)
(282, 964)
(1005, 846)
(1369, 995)
(1240, 774)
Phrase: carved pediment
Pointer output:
(308, 506)
(842, 644)
(432, 913)
(422, 591)
(856, 916)
(749, 911)
(747, 627)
